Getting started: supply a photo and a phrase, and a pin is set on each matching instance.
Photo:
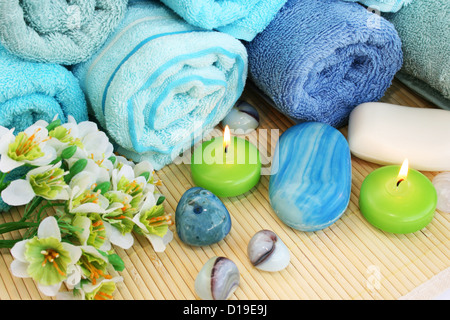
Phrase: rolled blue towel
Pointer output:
(158, 83)
(243, 19)
(424, 28)
(318, 59)
(31, 91)
(58, 31)
(384, 5)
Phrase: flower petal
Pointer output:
(142, 167)
(106, 246)
(149, 202)
(74, 251)
(70, 295)
(73, 275)
(87, 127)
(7, 164)
(158, 243)
(84, 223)
(49, 156)
(88, 208)
(4, 130)
(62, 195)
(50, 291)
(18, 251)
(38, 131)
(49, 228)
(117, 238)
(41, 123)
(126, 171)
(6, 137)
(18, 193)
(19, 269)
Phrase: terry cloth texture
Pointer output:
(384, 5)
(424, 28)
(58, 31)
(31, 91)
(318, 59)
(243, 19)
(159, 82)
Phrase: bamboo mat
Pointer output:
(348, 260)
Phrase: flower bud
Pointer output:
(68, 152)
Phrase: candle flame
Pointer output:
(403, 173)
(226, 138)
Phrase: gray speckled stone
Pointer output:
(201, 218)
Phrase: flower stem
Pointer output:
(2, 178)
(12, 226)
(8, 243)
(31, 207)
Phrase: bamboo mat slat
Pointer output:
(348, 260)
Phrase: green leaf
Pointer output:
(116, 262)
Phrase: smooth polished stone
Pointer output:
(243, 118)
(441, 183)
(309, 188)
(201, 218)
(267, 252)
(217, 280)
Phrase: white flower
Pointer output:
(83, 198)
(102, 290)
(154, 224)
(114, 236)
(46, 182)
(28, 147)
(45, 258)
(96, 145)
(100, 174)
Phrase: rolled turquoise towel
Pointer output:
(158, 83)
(424, 28)
(384, 5)
(31, 91)
(318, 59)
(58, 31)
(243, 19)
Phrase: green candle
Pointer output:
(225, 168)
(397, 202)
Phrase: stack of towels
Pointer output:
(318, 59)
(424, 28)
(159, 82)
(243, 19)
(158, 74)
(38, 39)
(30, 91)
(384, 5)
(56, 31)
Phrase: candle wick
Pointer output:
(226, 149)
(398, 182)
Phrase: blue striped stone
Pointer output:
(310, 182)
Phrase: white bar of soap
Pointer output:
(385, 134)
